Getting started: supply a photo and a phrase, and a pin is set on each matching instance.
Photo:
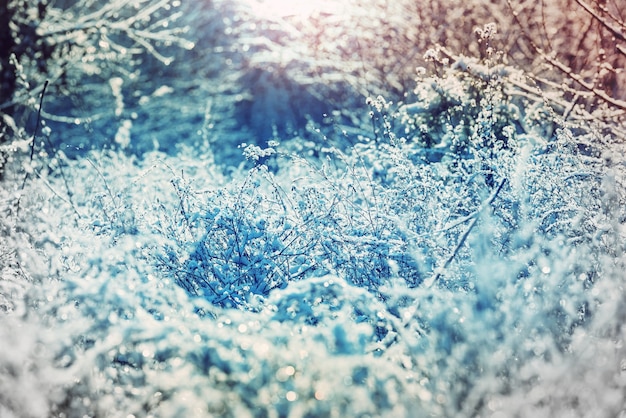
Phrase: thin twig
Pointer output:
(615, 31)
(32, 141)
(474, 217)
(108, 190)
(620, 104)
(32, 146)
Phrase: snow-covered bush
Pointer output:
(80, 39)
(458, 253)
(378, 213)
(461, 111)
(511, 233)
(260, 235)
(330, 60)
(79, 48)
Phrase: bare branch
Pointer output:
(615, 31)
(620, 104)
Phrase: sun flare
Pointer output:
(284, 8)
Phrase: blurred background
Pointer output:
(152, 74)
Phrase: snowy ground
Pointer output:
(458, 254)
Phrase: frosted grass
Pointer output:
(456, 254)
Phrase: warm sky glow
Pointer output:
(282, 8)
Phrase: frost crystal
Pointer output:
(255, 153)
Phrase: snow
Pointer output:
(267, 241)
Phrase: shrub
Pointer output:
(463, 258)
(266, 233)
(77, 47)
(371, 213)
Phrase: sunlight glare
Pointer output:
(285, 8)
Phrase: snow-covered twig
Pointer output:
(617, 32)
(600, 94)
(474, 218)
(32, 142)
